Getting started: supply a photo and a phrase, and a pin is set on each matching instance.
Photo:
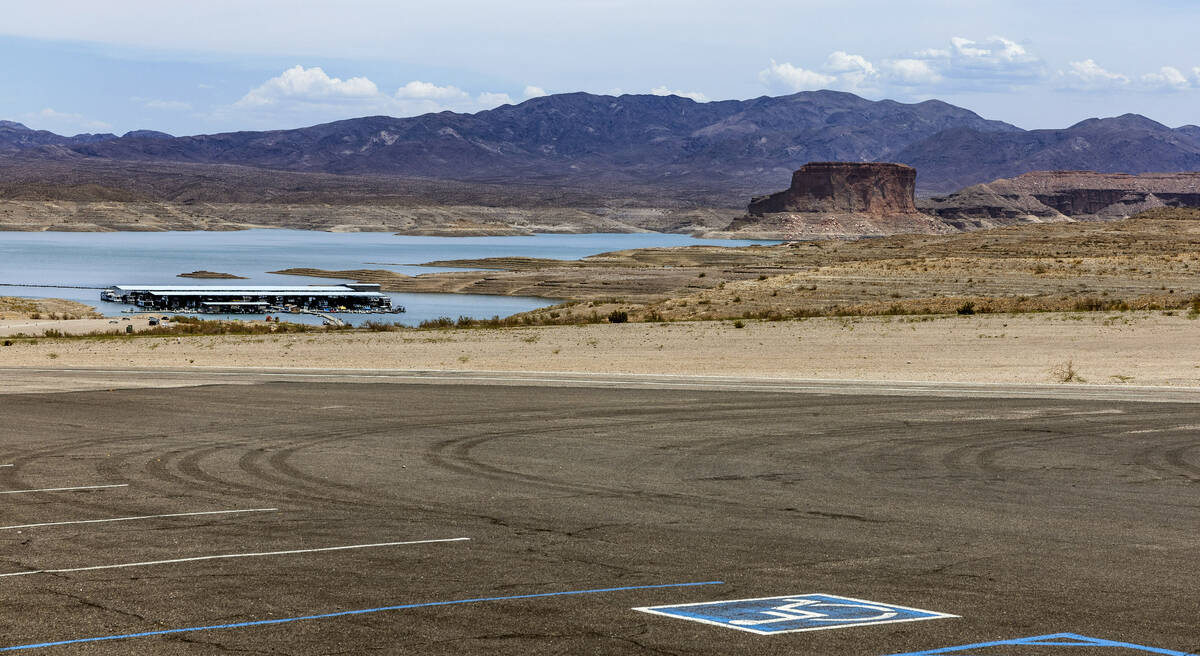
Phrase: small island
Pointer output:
(212, 275)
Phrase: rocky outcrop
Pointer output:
(874, 188)
(1044, 196)
(840, 199)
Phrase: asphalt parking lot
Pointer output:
(333, 518)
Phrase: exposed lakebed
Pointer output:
(75, 265)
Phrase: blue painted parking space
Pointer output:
(1050, 642)
(342, 613)
(793, 613)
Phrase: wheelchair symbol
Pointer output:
(792, 612)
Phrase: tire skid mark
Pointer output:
(456, 455)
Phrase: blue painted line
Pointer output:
(366, 611)
(1051, 640)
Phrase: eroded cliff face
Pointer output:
(873, 188)
(1064, 196)
(848, 200)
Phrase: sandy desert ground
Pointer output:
(1125, 348)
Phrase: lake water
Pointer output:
(36, 261)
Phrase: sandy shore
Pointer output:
(1137, 348)
(37, 327)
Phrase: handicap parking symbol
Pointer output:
(792, 613)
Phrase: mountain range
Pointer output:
(595, 148)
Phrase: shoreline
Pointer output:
(415, 219)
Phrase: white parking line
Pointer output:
(130, 519)
(65, 489)
(5, 465)
(225, 556)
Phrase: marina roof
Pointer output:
(339, 293)
(234, 289)
(240, 303)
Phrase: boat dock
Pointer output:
(245, 299)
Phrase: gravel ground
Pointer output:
(1137, 348)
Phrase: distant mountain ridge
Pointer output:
(705, 153)
(1130, 144)
(16, 136)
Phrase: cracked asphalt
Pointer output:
(1023, 516)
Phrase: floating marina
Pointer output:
(246, 299)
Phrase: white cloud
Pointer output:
(304, 96)
(1168, 78)
(310, 84)
(843, 62)
(664, 91)
(794, 78)
(1010, 50)
(854, 72)
(535, 92)
(1087, 75)
(997, 48)
(430, 91)
(966, 48)
(993, 64)
(910, 72)
(63, 122)
(931, 53)
(489, 100)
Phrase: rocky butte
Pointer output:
(840, 199)
(867, 187)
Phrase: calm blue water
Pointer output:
(156, 258)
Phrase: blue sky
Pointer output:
(196, 67)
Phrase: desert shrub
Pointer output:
(380, 326)
(618, 316)
(440, 322)
(1092, 304)
(966, 308)
(1066, 373)
(739, 324)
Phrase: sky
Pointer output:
(190, 67)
